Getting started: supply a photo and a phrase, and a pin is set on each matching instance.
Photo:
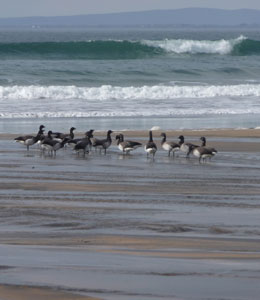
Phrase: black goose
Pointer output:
(59, 136)
(83, 144)
(52, 145)
(169, 146)
(74, 142)
(186, 147)
(29, 140)
(126, 146)
(203, 144)
(22, 139)
(150, 147)
(44, 140)
(204, 152)
(103, 144)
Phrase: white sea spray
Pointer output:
(196, 46)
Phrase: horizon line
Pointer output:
(129, 12)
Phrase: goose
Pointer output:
(83, 144)
(150, 147)
(31, 141)
(59, 136)
(44, 141)
(74, 142)
(103, 144)
(203, 144)
(91, 137)
(126, 146)
(52, 145)
(203, 152)
(186, 147)
(169, 146)
(46, 138)
(24, 140)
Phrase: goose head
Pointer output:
(203, 139)
(89, 133)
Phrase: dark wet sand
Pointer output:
(115, 227)
(25, 293)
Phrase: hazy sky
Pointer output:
(21, 8)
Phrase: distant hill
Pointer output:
(177, 17)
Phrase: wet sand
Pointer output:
(128, 227)
(27, 293)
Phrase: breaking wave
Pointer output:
(115, 101)
(116, 49)
(198, 47)
(108, 92)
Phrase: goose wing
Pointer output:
(23, 138)
(132, 144)
(174, 145)
(151, 145)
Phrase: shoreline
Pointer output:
(217, 132)
(221, 136)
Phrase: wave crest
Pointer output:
(99, 49)
(196, 46)
(108, 92)
(116, 49)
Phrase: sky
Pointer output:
(24, 8)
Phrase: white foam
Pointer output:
(108, 92)
(110, 101)
(196, 46)
(154, 128)
(128, 112)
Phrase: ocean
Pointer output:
(128, 78)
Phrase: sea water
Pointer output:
(129, 78)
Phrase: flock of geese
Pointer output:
(54, 141)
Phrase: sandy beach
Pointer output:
(128, 227)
